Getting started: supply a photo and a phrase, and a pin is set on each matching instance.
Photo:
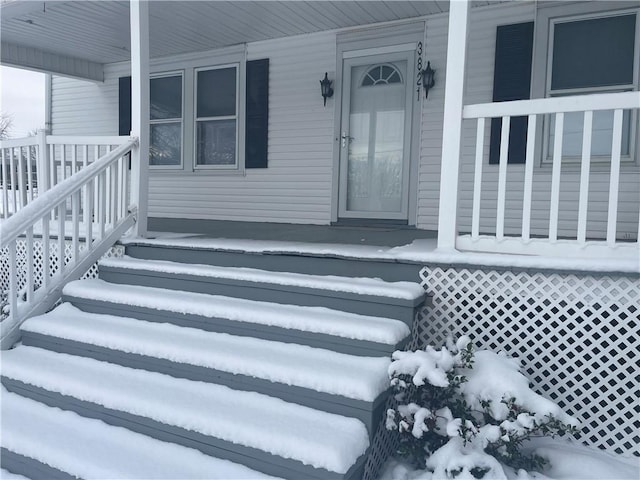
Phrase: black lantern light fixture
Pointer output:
(325, 88)
(428, 79)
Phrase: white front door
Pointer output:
(375, 137)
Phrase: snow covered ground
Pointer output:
(568, 461)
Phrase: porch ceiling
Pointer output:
(36, 34)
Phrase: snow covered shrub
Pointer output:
(462, 414)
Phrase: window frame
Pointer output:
(547, 147)
(172, 73)
(238, 165)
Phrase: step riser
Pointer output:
(288, 295)
(390, 271)
(367, 412)
(252, 458)
(222, 325)
(30, 467)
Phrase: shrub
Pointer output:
(462, 414)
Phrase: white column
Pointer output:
(139, 17)
(452, 125)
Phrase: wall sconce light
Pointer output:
(325, 88)
(428, 79)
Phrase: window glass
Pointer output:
(217, 142)
(591, 53)
(165, 145)
(216, 92)
(166, 97)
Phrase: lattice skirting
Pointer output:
(21, 260)
(576, 335)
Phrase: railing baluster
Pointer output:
(614, 179)
(5, 189)
(477, 180)
(46, 251)
(85, 160)
(63, 162)
(62, 214)
(30, 150)
(502, 176)
(13, 279)
(74, 159)
(12, 172)
(528, 178)
(30, 261)
(22, 188)
(121, 192)
(585, 171)
(555, 177)
(107, 180)
(75, 240)
(88, 216)
(52, 165)
(103, 200)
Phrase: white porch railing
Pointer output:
(93, 203)
(32, 165)
(551, 244)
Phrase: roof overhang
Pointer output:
(76, 38)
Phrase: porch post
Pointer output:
(452, 125)
(139, 17)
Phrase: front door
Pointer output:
(375, 137)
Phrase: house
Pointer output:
(507, 131)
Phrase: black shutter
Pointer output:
(257, 121)
(512, 81)
(124, 106)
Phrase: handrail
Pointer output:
(13, 227)
(19, 142)
(541, 106)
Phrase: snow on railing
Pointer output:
(32, 165)
(552, 110)
(103, 189)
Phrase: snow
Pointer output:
(307, 319)
(91, 449)
(495, 377)
(359, 378)
(315, 438)
(362, 286)
(423, 251)
(6, 475)
(568, 459)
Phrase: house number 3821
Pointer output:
(419, 70)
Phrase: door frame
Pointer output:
(348, 63)
(387, 39)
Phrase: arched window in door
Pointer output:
(381, 75)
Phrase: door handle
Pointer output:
(344, 139)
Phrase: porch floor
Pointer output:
(379, 235)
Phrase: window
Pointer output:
(592, 55)
(165, 146)
(216, 129)
(381, 75)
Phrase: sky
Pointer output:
(22, 96)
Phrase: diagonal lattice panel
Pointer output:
(576, 336)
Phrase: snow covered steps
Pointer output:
(39, 441)
(276, 437)
(365, 296)
(313, 326)
(344, 384)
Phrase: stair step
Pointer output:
(334, 382)
(317, 259)
(367, 296)
(261, 432)
(314, 326)
(44, 442)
